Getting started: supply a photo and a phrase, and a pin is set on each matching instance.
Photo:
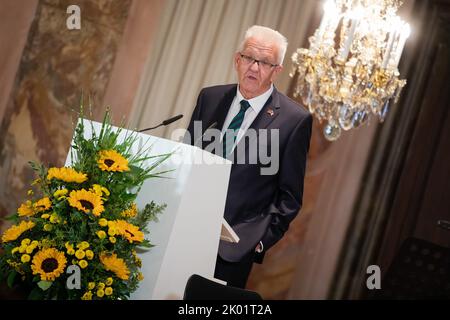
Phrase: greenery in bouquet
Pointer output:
(82, 220)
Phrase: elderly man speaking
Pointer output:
(259, 207)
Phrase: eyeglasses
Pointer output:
(262, 64)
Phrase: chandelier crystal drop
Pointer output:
(350, 71)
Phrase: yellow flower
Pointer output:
(105, 191)
(83, 264)
(112, 231)
(16, 231)
(131, 212)
(109, 281)
(54, 218)
(87, 296)
(111, 160)
(25, 242)
(66, 175)
(91, 285)
(45, 216)
(48, 227)
(49, 263)
(30, 192)
(87, 202)
(140, 276)
(101, 285)
(15, 250)
(100, 190)
(100, 293)
(89, 254)
(138, 261)
(101, 234)
(60, 193)
(79, 254)
(26, 209)
(97, 189)
(70, 249)
(42, 205)
(30, 249)
(108, 291)
(128, 231)
(103, 222)
(116, 265)
(25, 258)
(83, 245)
(112, 239)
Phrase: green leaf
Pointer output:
(36, 294)
(144, 246)
(11, 277)
(44, 285)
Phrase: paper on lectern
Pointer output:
(227, 233)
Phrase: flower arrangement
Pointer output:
(77, 235)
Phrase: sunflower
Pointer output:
(26, 209)
(127, 230)
(49, 263)
(130, 212)
(116, 265)
(86, 201)
(42, 205)
(16, 230)
(111, 160)
(66, 175)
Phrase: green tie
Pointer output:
(235, 124)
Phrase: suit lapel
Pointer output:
(224, 106)
(268, 113)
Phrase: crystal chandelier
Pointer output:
(350, 71)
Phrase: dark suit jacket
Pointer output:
(260, 207)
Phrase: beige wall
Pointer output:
(55, 66)
(14, 15)
(133, 51)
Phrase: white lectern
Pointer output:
(186, 237)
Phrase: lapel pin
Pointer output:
(270, 112)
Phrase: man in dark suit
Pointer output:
(259, 206)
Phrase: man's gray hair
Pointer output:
(260, 32)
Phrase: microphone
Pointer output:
(164, 123)
(213, 125)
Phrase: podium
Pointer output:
(187, 235)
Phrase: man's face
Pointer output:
(256, 78)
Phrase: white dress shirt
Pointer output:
(256, 104)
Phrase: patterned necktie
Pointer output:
(228, 140)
